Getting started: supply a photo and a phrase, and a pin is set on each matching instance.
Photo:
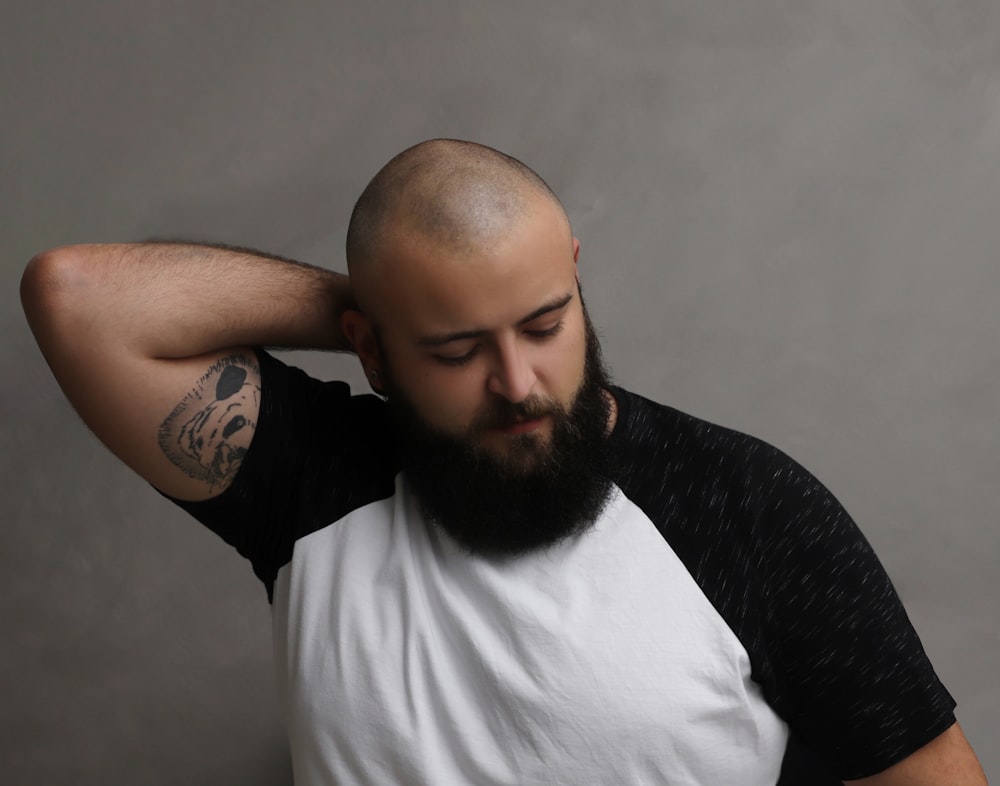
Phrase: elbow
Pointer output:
(50, 274)
(51, 283)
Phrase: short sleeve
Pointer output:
(850, 673)
(791, 574)
(317, 453)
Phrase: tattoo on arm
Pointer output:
(207, 434)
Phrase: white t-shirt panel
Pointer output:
(402, 659)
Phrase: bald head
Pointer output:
(457, 195)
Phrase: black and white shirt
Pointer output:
(723, 597)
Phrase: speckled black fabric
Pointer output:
(291, 482)
(794, 578)
(775, 553)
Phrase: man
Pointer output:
(509, 571)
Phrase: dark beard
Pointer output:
(539, 493)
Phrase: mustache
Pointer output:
(501, 414)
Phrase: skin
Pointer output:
(948, 759)
(454, 343)
(140, 338)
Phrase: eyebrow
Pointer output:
(441, 339)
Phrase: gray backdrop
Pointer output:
(790, 225)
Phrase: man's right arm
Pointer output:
(151, 344)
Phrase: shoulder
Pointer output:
(658, 444)
(650, 426)
(316, 426)
(786, 566)
(297, 405)
(715, 490)
(318, 453)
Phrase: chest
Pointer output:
(402, 659)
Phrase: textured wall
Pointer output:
(790, 216)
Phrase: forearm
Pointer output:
(175, 300)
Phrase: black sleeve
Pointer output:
(790, 572)
(850, 673)
(317, 453)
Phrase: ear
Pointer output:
(360, 334)
(576, 258)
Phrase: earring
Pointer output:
(374, 374)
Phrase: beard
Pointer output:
(535, 495)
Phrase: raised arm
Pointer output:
(150, 343)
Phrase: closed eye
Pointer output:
(537, 335)
(546, 332)
(457, 360)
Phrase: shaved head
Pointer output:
(456, 195)
(472, 325)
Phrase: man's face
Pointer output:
(488, 344)
(498, 393)
(534, 494)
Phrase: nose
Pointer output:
(512, 375)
